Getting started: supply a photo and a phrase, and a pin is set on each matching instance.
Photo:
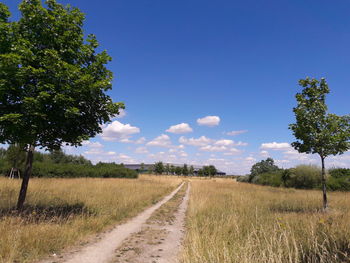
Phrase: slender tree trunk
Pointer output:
(324, 187)
(26, 176)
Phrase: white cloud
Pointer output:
(201, 141)
(160, 141)
(234, 133)
(141, 140)
(122, 114)
(92, 144)
(240, 143)
(183, 154)
(180, 128)
(232, 151)
(275, 146)
(117, 131)
(224, 142)
(141, 150)
(250, 159)
(264, 154)
(213, 148)
(209, 121)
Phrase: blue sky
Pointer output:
(179, 61)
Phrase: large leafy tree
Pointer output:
(316, 130)
(53, 82)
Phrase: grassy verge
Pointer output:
(236, 222)
(63, 212)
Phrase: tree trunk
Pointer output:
(26, 176)
(324, 187)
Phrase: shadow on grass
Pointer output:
(48, 213)
(293, 208)
(338, 251)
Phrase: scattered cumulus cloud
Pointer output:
(224, 142)
(117, 131)
(141, 150)
(264, 154)
(92, 144)
(141, 140)
(122, 114)
(213, 148)
(201, 141)
(275, 146)
(180, 128)
(160, 141)
(234, 133)
(209, 121)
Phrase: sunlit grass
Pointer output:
(63, 212)
(237, 222)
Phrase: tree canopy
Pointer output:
(53, 82)
(264, 166)
(316, 130)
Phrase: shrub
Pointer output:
(54, 170)
(243, 179)
(304, 176)
(338, 183)
(272, 178)
(339, 172)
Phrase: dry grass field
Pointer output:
(63, 212)
(237, 222)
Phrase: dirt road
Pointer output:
(160, 239)
(163, 222)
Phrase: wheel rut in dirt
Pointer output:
(160, 238)
(103, 250)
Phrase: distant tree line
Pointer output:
(185, 170)
(266, 172)
(57, 164)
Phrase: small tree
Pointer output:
(191, 170)
(185, 170)
(264, 166)
(159, 168)
(53, 83)
(142, 167)
(167, 168)
(172, 169)
(316, 130)
(178, 170)
(16, 155)
(212, 170)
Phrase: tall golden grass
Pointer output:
(63, 212)
(237, 222)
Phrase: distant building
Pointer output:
(142, 168)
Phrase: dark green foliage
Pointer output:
(338, 183)
(52, 80)
(316, 130)
(339, 172)
(159, 168)
(178, 170)
(264, 166)
(272, 178)
(185, 170)
(101, 170)
(304, 177)
(16, 156)
(243, 179)
(191, 170)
